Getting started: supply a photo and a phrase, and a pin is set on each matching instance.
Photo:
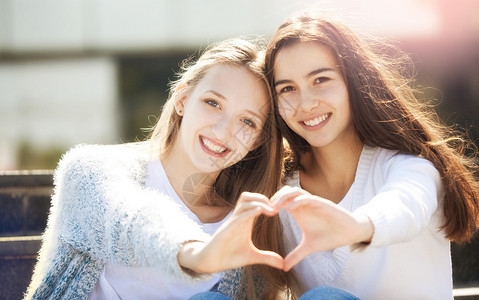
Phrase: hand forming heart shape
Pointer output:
(231, 245)
(324, 225)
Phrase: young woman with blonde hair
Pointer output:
(134, 221)
(370, 167)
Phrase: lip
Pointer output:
(210, 152)
(317, 126)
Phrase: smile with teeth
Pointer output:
(213, 147)
(317, 120)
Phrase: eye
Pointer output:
(249, 123)
(285, 89)
(321, 79)
(213, 103)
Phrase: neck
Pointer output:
(195, 188)
(191, 185)
(329, 171)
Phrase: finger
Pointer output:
(248, 206)
(253, 197)
(243, 217)
(285, 189)
(295, 256)
(246, 218)
(287, 195)
(302, 201)
(247, 196)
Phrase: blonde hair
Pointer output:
(259, 171)
(235, 52)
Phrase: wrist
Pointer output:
(366, 232)
(189, 256)
(367, 229)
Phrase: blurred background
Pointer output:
(96, 71)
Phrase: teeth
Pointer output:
(316, 121)
(213, 147)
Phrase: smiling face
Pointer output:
(312, 95)
(223, 116)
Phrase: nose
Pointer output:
(308, 101)
(222, 129)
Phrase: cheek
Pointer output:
(245, 139)
(286, 108)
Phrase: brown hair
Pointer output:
(387, 112)
(259, 171)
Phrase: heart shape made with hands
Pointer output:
(324, 224)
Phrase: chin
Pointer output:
(211, 166)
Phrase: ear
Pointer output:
(180, 96)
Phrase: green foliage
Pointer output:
(30, 158)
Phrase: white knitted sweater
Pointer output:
(101, 211)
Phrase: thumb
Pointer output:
(295, 256)
(269, 258)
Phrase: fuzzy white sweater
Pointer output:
(101, 212)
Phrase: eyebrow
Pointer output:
(257, 115)
(312, 73)
(216, 94)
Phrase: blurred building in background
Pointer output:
(96, 71)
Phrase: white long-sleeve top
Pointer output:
(409, 257)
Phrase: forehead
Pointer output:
(303, 56)
(240, 86)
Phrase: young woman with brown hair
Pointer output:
(134, 221)
(370, 167)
